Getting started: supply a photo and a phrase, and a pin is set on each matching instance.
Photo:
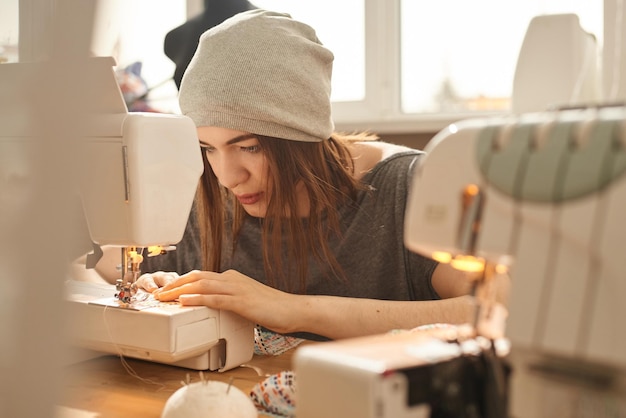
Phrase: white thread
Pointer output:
(258, 370)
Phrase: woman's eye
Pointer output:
(251, 149)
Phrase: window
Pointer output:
(409, 65)
(400, 65)
(340, 26)
(471, 64)
(8, 30)
(138, 35)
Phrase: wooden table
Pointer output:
(103, 387)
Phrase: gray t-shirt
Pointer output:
(371, 250)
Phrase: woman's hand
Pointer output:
(153, 281)
(232, 291)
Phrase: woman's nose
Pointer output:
(230, 173)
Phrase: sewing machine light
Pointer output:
(468, 263)
(441, 256)
(472, 200)
(471, 190)
(155, 250)
(134, 256)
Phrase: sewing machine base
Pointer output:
(194, 337)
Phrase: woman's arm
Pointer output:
(337, 317)
(331, 316)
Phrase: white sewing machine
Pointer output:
(542, 195)
(138, 177)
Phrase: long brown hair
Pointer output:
(325, 169)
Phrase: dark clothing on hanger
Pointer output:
(181, 43)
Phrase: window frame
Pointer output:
(380, 110)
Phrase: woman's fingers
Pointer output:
(190, 277)
(150, 282)
(232, 291)
(212, 301)
(193, 283)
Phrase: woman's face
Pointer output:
(240, 165)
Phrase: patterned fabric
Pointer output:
(267, 343)
(276, 395)
(134, 88)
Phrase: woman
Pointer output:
(301, 229)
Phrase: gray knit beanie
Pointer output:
(261, 72)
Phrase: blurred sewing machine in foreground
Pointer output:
(543, 196)
(137, 177)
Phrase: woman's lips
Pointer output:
(249, 199)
